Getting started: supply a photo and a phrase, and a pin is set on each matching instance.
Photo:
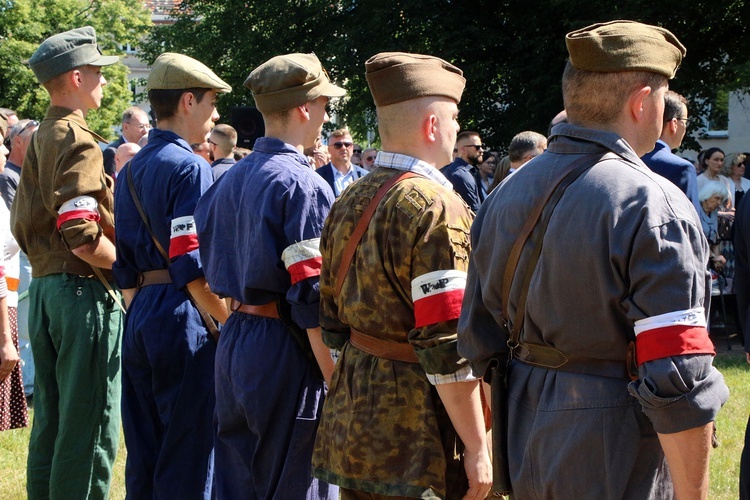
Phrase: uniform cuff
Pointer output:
(186, 268)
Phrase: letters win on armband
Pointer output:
(437, 296)
(184, 236)
(303, 260)
(80, 207)
(672, 334)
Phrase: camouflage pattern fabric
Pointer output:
(384, 429)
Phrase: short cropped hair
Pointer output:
(673, 103)
(523, 143)
(225, 137)
(164, 101)
(131, 112)
(340, 132)
(466, 134)
(593, 97)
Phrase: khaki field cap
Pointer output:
(397, 76)
(625, 46)
(3, 125)
(63, 52)
(177, 71)
(285, 82)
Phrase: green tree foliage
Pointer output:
(512, 53)
(25, 23)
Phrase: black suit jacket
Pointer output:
(326, 172)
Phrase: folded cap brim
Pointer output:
(105, 61)
(331, 90)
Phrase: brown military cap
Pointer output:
(625, 46)
(63, 52)
(287, 81)
(3, 125)
(397, 76)
(177, 71)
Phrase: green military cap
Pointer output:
(625, 46)
(3, 125)
(63, 52)
(177, 71)
(397, 76)
(287, 81)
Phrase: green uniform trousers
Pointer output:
(75, 329)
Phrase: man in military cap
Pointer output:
(167, 354)
(403, 416)
(62, 219)
(611, 388)
(259, 229)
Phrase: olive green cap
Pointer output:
(177, 71)
(63, 52)
(398, 76)
(287, 81)
(625, 46)
(4, 125)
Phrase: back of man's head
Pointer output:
(674, 123)
(526, 145)
(410, 91)
(225, 138)
(600, 77)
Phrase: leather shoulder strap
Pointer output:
(363, 223)
(142, 213)
(566, 176)
(207, 319)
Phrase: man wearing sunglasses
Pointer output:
(340, 172)
(368, 158)
(463, 171)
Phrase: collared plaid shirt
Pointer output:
(411, 164)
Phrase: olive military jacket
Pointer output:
(64, 199)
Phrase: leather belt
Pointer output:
(158, 277)
(269, 310)
(382, 348)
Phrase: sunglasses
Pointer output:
(370, 158)
(31, 124)
(475, 146)
(339, 145)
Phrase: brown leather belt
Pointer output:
(158, 277)
(382, 348)
(266, 310)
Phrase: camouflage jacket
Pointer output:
(384, 429)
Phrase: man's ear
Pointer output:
(429, 128)
(636, 101)
(304, 109)
(75, 78)
(672, 126)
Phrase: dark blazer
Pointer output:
(326, 172)
(677, 170)
(109, 155)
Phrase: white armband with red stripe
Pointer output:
(672, 334)
(303, 259)
(184, 236)
(80, 207)
(437, 296)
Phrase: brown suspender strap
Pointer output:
(362, 224)
(539, 354)
(382, 348)
(207, 319)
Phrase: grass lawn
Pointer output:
(725, 460)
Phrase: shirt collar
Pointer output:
(411, 164)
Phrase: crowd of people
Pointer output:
(318, 319)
